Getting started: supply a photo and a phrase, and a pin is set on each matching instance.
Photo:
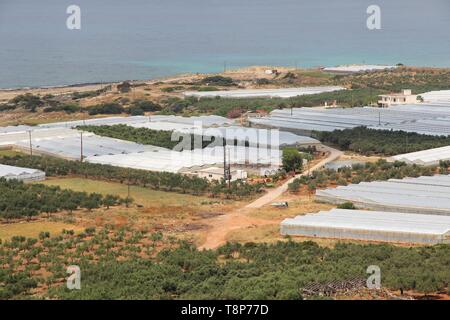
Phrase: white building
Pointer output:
(405, 97)
(217, 173)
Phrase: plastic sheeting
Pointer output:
(371, 226)
(69, 147)
(426, 195)
(22, 174)
(161, 159)
(421, 118)
(271, 93)
(430, 157)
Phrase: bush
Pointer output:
(218, 81)
(292, 160)
(106, 108)
(347, 205)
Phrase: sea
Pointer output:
(148, 39)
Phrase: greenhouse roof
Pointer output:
(422, 195)
(273, 93)
(374, 221)
(6, 170)
(421, 118)
(425, 157)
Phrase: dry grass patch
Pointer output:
(265, 233)
(32, 229)
(297, 206)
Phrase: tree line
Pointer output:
(381, 142)
(377, 171)
(146, 136)
(19, 200)
(165, 181)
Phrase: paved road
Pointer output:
(275, 193)
(237, 219)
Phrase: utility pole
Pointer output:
(224, 159)
(31, 145)
(81, 146)
(128, 189)
(229, 170)
(379, 118)
(226, 166)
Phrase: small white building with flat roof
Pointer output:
(217, 173)
(404, 97)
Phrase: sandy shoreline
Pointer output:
(7, 94)
(253, 71)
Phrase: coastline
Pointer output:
(9, 93)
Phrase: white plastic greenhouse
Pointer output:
(21, 174)
(442, 96)
(421, 118)
(429, 157)
(424, 195)
(357, 68)
(370, 226)
(161, 159)
(269, 93)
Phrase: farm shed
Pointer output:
(21, 174)
(424, 195)
(370, 226)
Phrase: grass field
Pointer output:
(32, 229)
(9, 153)
(142, 196)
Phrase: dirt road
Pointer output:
(222, 225)
(275, 193)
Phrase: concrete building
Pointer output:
(404, 97)
(216, 173)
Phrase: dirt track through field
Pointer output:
(237, 219)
